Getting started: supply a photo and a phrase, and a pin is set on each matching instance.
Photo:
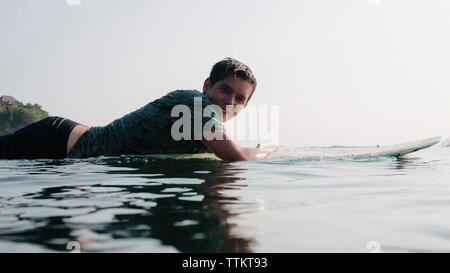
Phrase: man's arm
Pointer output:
(227, 149)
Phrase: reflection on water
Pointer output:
(293, 203)
(177, 203)
(413, 162)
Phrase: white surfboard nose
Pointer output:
(394, 150)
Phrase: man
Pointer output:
(150, 129)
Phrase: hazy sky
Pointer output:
(356, 72)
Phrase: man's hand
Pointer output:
(228, 149)
(262, 153)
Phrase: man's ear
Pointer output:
(206, 85)
(250, 96)
(246, 103)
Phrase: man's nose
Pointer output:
(229, 100)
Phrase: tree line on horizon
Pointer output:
(15, 114)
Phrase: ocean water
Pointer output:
(294, 202)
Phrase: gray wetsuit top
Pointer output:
(147, 130)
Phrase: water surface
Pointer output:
(296, 202)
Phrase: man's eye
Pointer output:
(224, 89)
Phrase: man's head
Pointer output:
(230, 83)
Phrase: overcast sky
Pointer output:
(355, 72)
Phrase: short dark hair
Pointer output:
(230, 66)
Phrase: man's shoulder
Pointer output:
(186, 96)
(189, 93)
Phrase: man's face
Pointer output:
(231, 91)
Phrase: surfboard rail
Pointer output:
(393, 150)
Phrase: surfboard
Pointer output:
(393, 150)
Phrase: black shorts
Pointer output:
(46, 138)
